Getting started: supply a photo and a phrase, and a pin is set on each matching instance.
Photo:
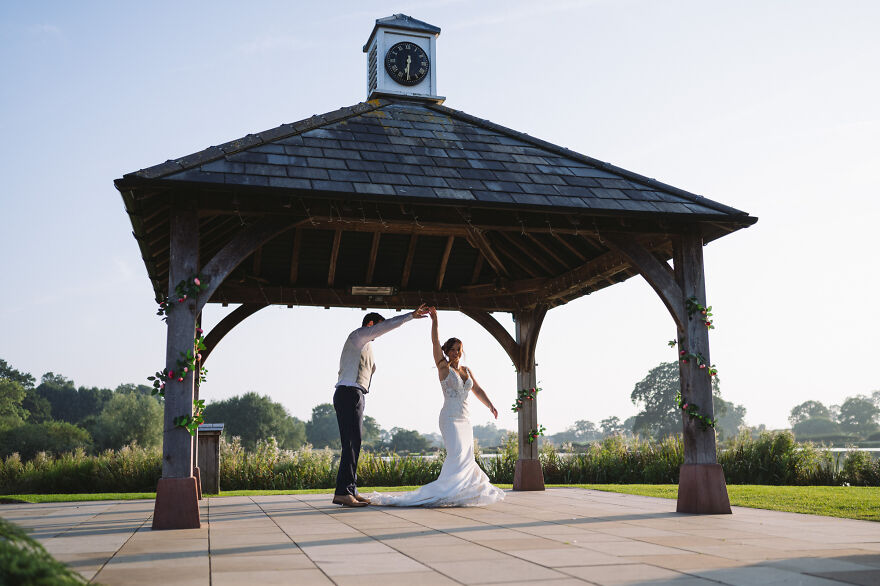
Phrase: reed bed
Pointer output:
(772, 458)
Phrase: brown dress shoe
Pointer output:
(347, 500)
(361, 499)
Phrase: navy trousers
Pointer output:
(349, 405)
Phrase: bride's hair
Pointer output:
(448, 344)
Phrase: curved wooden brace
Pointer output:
(237, 250)
(530, 326)
(226, 324)
(659, 275)
(491, 325)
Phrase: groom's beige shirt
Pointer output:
(356, 366)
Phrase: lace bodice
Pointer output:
(455, 393)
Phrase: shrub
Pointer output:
(55, 437)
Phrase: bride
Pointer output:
(461, 482)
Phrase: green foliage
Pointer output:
(371, 438)
(131, 469)
(38, 409)
(7, 372)
(858, 415)
(253, 417)
(24, 561)
(408, 441)
(129, 417)
(489, 435)
(808, 410)
(11, 412)
(655, 394)
(729, 418)
(322, 430)
(69, 403)
(775, 458)
(813, 427)
(54, 437)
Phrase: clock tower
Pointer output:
(401, 59)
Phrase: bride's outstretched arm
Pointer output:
(439, 359)
(481, 395)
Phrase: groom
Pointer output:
(356, 369)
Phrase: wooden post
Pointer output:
(528, 474)
(177, 504)
(701, 485)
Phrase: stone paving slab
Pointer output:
(558, 537)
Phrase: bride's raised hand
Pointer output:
(432, 311)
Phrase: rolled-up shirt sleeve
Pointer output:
(361, 336)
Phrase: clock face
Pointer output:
(407, 63)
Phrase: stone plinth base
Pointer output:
(528, 475)
(198, 476)
(177, 504)
(702, 490)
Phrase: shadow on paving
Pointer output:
(861, 570)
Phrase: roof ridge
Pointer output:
(489, 125)
(213, 153)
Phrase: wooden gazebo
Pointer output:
(394, 202)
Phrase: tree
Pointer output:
(815, 427)
(129, 417)
(489, 435)
(858, 415)
(407, 440)
(586, 431)
(807, 410)
(39, 410)
(11, 412)
(68, 403)
(656, 393)
(253, 417)
(7, 372)
(372, 435)
(322, 430)
(611, 426)
(730, 418)
(56, 437)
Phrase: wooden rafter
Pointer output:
(334, 257)
(478, 240)
(374, 252)
(517, 242)
(491, 325)
(294, 257)
(444, 261)
(570, 248)
(407, 266)
(258, 261)
(517, 259)
(546, 250)
(478, 266)
(595, 271)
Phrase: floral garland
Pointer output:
(191, 423)
(693, 411)
(524, 395)
(185, 289)
(693, 306)
(189, 361)
(533, 435)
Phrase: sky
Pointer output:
(770, 107)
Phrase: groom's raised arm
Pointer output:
(361, 336)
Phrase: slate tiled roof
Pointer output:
(404, 149)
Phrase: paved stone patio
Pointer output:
(559, 537)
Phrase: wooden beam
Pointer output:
(258, 261)
(226, 324)
(294, 256)
(501, 335)
(592, 272)
(374, 252)
(517, 242)
(444, 260)
(237, 250)
(570, 248)
(334, 257)
(478, 240)
(517, 260)
(337, 297)
(478, 265)
(407, 266)
(546, 249)
(658, 274)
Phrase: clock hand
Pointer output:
(408, 61)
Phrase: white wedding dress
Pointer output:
(461, 482)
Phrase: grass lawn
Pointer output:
(849, 502)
